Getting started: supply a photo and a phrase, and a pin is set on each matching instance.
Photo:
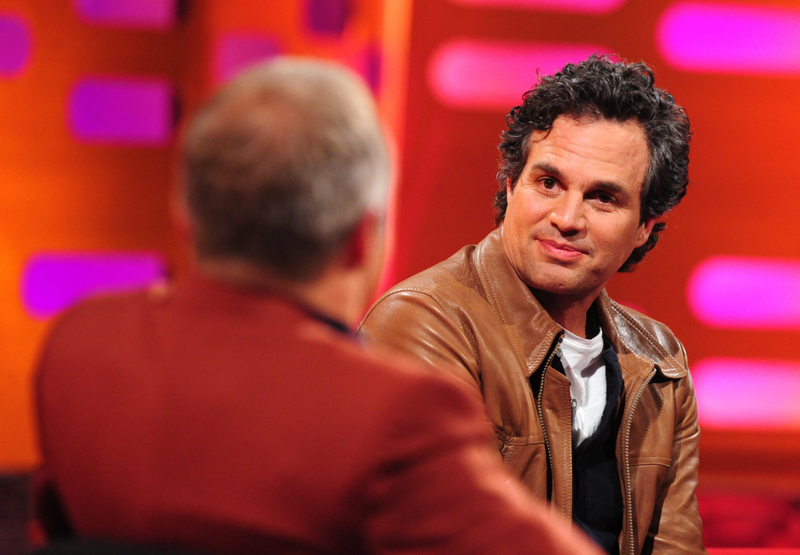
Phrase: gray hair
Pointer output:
(282, 164)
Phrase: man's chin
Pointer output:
(558, 284)
(557, 287)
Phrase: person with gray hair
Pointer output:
(328, 164)
(234, 411)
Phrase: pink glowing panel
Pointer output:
(736, 393)
(140, 14)
(492, 75)
(753, 293)
(52, 282)
(235, 52)
(730, 38)
(328, 17)
(575, 6)
(130, 110)
(16, 44)
(372, 66)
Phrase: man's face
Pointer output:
(573, 216)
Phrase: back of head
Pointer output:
(602, 88)
(282, 164)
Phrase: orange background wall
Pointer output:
(744, 198)
(61, 194)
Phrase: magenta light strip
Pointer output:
(371, 66)
(574, 6)
(16, 44)
(328, 17)
(492, 75)
(737, 393)
(130, 110)
(140, 14)
(752, 293)
(52, 282)
(235, 52)
(729, 38)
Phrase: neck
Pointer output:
(572, 314)
(331, 294)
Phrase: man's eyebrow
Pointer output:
(546, 167)
(610, 187)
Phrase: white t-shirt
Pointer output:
(586, 371)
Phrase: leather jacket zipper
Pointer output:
(556, 348)
(626, 455)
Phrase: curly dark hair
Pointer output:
(603, 88)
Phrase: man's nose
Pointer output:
(568, 214)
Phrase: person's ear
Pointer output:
(644, 231)
(182, 220)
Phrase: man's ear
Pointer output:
(644, 231)
(182, 220)
(509, 187)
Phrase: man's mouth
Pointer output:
(561, 251)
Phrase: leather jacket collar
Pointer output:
(532, 331)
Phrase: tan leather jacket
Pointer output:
(474, 316)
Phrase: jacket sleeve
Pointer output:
(439, 488)
(414, 323)
(676, 526)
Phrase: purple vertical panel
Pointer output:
(235, 52)
(372, 67)
(137, 111)
(53, 282)
(141, 14)
(16, 44)
(327, 17)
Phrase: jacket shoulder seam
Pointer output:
(430, 292)
(647, 335)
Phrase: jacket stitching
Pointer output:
(509, 439)
(566, 446)
(482, 279)
(490, 292)
(651, 461)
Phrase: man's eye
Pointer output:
(548, 183)
(605, 198)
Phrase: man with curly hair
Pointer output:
(592, 403)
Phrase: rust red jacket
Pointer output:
(473, 314)
(234, 422)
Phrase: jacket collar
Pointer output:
(636, 339)
(201, 291)
(532, 331)
(527, 324)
